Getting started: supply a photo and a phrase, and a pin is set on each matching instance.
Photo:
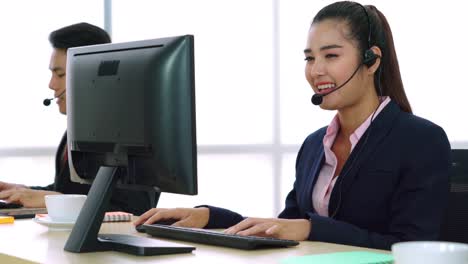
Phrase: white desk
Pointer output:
(28, 242)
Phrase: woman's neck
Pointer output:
(353, 116)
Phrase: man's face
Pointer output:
(57, 66)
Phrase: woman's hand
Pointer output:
(292, 229)
(186, 217)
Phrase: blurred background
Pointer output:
(253, 102)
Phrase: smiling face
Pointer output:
(331, 59)
(58, 67)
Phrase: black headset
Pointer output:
(369, 59)
(369, 56)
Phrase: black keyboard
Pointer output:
(216, 238)
(4, 205)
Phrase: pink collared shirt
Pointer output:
(325, 182)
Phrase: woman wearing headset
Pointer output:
(377, 174)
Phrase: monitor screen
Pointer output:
(132, 105)
(131, 123)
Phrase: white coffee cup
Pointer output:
(64, 207)
(430, 252)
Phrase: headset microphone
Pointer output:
(318, 98)
(369, 59)
(47, 101)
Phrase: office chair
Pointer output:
(455, 224)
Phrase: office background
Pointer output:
(253, 102)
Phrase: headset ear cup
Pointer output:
(369, 58)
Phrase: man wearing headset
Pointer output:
(76, 35)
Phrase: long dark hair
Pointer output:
(389, 77)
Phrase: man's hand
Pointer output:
(7, 186)
(25, 196)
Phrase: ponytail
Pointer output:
(390, 79)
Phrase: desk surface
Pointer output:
(28, 242)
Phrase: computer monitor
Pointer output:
(131, 123)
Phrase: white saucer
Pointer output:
(53, 225)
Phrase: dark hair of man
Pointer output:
(77, 35)
(389, 79)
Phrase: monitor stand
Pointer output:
(84, 235)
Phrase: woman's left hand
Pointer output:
(292, 229)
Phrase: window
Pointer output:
(234, 96)
(31, 132)
(253, 102)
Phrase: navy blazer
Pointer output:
(62, 182)
(393, 187)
